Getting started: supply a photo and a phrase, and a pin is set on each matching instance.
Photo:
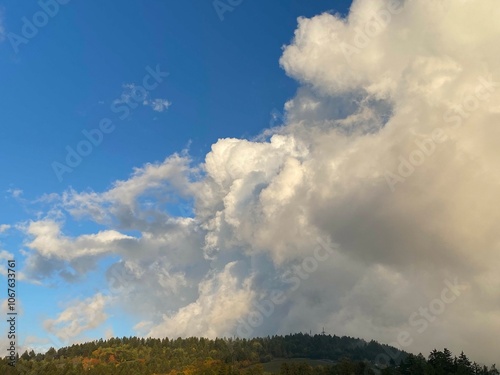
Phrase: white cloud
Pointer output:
(4, 228)
(49, 242)
(222, 300)
(15, 193)
(159, 180)
(54, 253)
(78, 318)
(158, 105)
(133, 94)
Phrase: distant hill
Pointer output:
(289, 355)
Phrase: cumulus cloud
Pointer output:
(388, 149)
(222, 300)
(129, 202)
(49, 242)
(51, 252)
(78, 318)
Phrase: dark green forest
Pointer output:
(287, 355)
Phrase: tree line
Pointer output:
(236, 356)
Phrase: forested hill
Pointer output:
(289, 355)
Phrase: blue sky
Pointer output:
(168, 169)
(224, 81)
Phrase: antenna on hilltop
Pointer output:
(323, 332)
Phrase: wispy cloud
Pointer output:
(158, 105)
(15, 193)
(81, 316)
(133, 94)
